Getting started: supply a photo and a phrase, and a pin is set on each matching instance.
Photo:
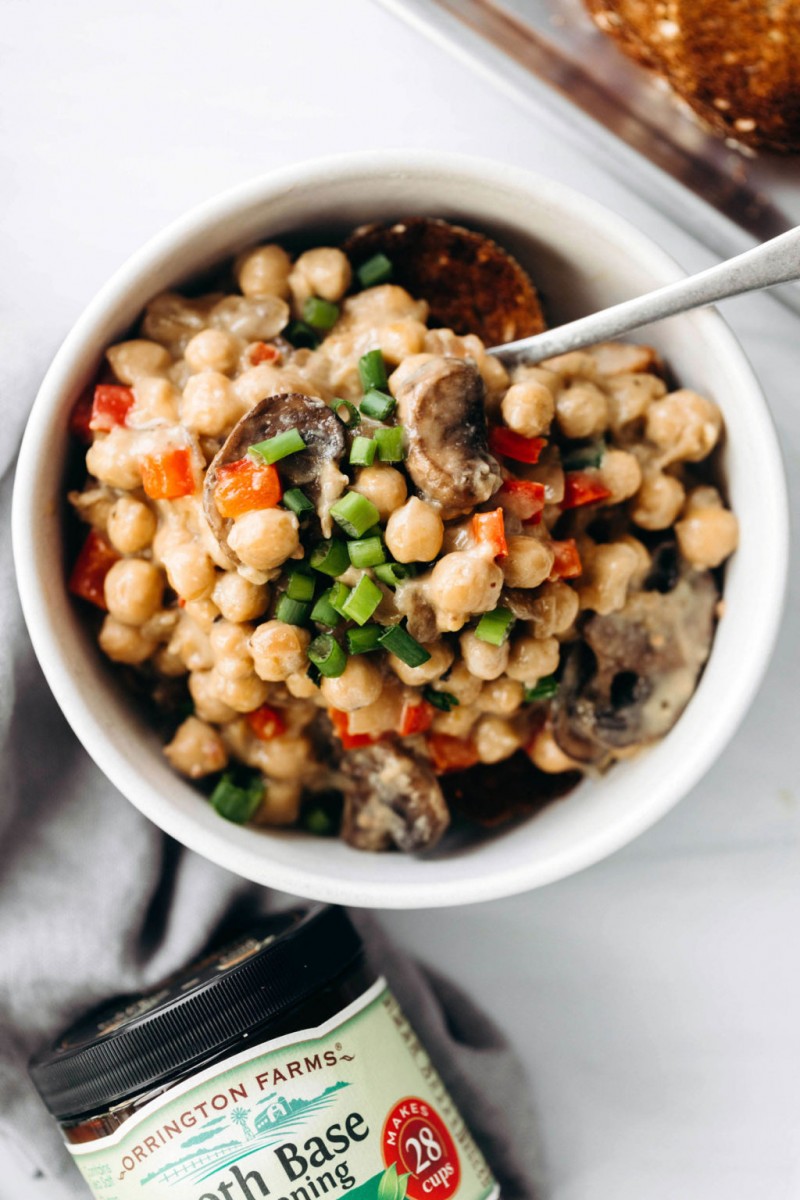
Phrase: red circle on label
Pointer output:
(417, 1141)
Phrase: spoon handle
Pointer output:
(775, 261)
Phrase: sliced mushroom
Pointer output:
(470, 283)
(320, 429)
(391, 799)
(441, 406)
(411, 602)
(493, 794)
(629, 679)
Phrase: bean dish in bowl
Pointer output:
(368, 580)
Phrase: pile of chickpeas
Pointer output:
(180, 609)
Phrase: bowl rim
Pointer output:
(264, 866)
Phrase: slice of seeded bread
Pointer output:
(735, 62)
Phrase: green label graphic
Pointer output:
(352, 1106)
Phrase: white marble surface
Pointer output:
(655, 997)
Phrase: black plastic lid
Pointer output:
(129, 1045)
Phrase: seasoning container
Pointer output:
(281, 1066)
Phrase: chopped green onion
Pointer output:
(372, 371)
(494, 627)
(327, 656)
(292, 612)
(330, 557)
(361, 641)
(584, 456)
(366, 552)
(393, 574)
(323, 611)
(299, 503)
(378, 405)
(362, 451)
(375, 270)
(320, 314)
(390, 444)
(318, 821)
(362, 601)
(338, 597)
(346, 411)
(398, 641)
(355, 514)
(278, 447)
(300, 586)
(545, 689)
(237, 804)
(301, 335)
(445, 701)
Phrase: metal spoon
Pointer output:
(776, 261)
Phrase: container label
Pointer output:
(354, 1105)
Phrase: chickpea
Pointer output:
(441, 658)
(264, 271)
(124, 643)
(285, 757)
(528, 562)
(608, 571)
(133, 590)
(207, 704)
(157, 402)
(620, 358)
(456, 723)
(502, 696)
(629, 398)
(495, 739)
(243, 693)
(238, 599)
(190, 643)
(406, 369)
(684, 425)
(582, 410)
(253, 319)
(114, 459)
(462, 583)
(190, 571)
(281, 804)
(461, 683)
(528, 408)
(657, 502)
(209, 405)
(382, 716)
(547, 755)
(212, 350)
(621, 474)
(301, 685)
(554, 610)
(323, 272)
(414, 533)
(359, 684)
(401, 339)
(196, 749)
(707, 533)
(130, 361)
(384, 486)
(265, 538)
(575, 364)
(533, 659)
(169, 664)
(279, 650)
(482, 659)
(203, 612)
(131, 525)
(548, 379)
(494, 375)
(231, 646)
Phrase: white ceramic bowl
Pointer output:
(583, 258)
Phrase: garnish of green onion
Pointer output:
(366, 552)
(378, 405)
(301, 335)
(545, 689)
(372, 371)
(355, 514)
(398, 641)
(300, 586)
(444, 701)
(494, 626)
(292, 612)
(323, 611)
(234, 803)
(330, 557)
(375, 270)
(320, 314)
(362, 451)
(327, 656)
(278, 447)
(362, 601)
(365, 639)
(390, 444)
(338, 598)
(582, 457)
(318, 821)
(299, 503)
(346, 411)
(393, 574)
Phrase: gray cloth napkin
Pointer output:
(95, 901)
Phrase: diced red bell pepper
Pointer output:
(80, 417)
(266, 723)
(263, 352)
(168, 474)
(350, 741)
(92, 565)
(451, 753)
(508, 444)
(110, 406)
(488, 529)
(244, 485)
(582, 488)
(416, 718)
(567, 562)
(524, 498)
